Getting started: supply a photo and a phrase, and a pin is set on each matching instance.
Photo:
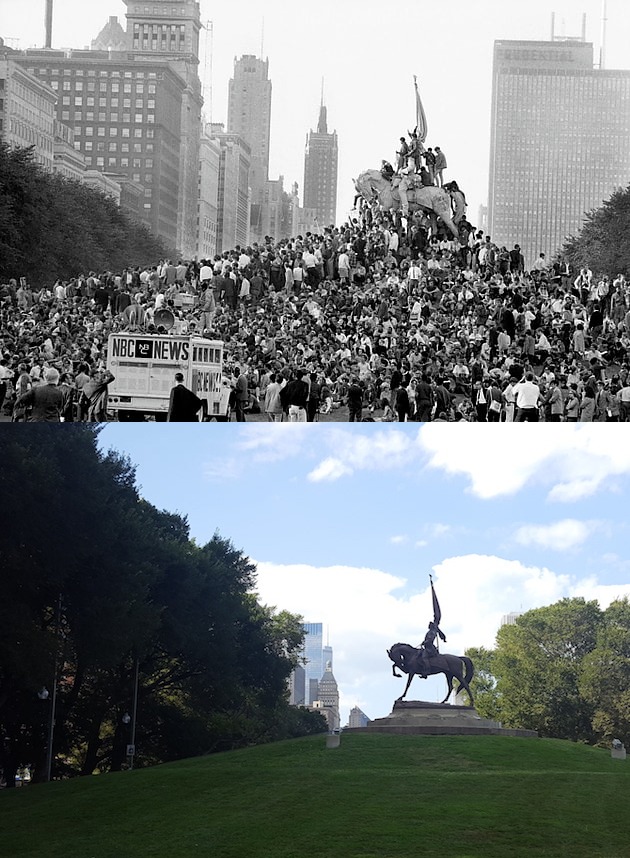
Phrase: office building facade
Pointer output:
(27, 110)
(169, 29)
(320, 172)
(560, 142)
(233, 199)
(126, 118)
(249, 116)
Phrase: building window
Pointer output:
(101, 131)
(88, 145)
(125, 132)
(100, 162)
(138, 117)
(111, 162)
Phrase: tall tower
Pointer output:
(560, 141)
(249, 116)
(314, 661)
(320, 171)
(329, 696)
(170, 29)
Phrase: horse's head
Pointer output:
(364, 186)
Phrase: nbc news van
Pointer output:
(144, 367)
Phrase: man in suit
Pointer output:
(183, 405)
(46, 400)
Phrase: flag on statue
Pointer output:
(421, 119)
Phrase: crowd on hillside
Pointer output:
(375, 320)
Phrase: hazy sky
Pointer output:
(345, 525)
(368, 54)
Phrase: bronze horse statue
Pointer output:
(408, 659)
(431, 199)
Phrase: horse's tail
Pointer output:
(470, 669)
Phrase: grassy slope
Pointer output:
(373, 797)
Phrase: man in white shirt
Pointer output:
(527, 398)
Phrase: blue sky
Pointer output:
(345, 525)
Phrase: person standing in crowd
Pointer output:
(294, 397)
(93, 400)
(355, 401)
(439, 166)
(527, 399)
(46, 401)
(241, 394)
(184, 405)
(273, 402)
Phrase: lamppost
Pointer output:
(127, 718)
(44, 694)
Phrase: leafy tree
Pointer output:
(99, 584)
(53, 227)
(605, 679)
(537, 664)
(484, 684)
(602, 243)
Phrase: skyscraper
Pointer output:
(320, 171)
(249, 116)
(233, 199)
(560, 141)
(314, 660)
(328, 696)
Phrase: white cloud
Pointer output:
(399, 539)
(559, 536)
(329, 470)
(575, 460)
(367, 610)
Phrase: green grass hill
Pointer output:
(376, 796)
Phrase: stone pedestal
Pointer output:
(417, 717)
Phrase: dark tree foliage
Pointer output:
(52, 227)
(96, 581)
(602, 244)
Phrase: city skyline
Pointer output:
(368, 84)
(355, 519)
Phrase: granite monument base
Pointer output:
(417, 717)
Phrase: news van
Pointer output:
(144, 367)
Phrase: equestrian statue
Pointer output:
(426, 660)
(404, 193)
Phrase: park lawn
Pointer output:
(376, 796)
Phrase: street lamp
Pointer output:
(126, 718)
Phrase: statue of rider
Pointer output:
(428, 648)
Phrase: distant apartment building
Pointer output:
(320, 172)
(27, 109)
(560, 142)
(249, 116)
(511, 618)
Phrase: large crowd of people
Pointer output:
(378, 319)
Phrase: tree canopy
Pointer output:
(52, 227)
(602, 243)
(563, 670)
(97, 583)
